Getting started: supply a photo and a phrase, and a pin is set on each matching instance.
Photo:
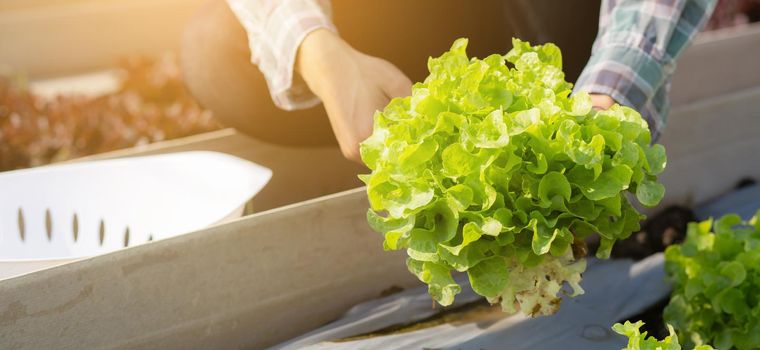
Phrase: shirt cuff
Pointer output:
(274, 41)
(631, 71)
(289, 91)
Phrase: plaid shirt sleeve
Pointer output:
(275, 30)
(634, 54)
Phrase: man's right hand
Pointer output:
(351, 85)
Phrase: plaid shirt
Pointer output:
(275, 30)
(632, 60)
(634, 54)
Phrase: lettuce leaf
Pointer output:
(716, 278)
(639, 341)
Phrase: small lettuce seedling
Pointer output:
(716, 284)
(639, 341)
(498, 172)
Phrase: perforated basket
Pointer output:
(59, 213)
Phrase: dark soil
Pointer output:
(666, 228)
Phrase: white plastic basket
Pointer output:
(54, 214)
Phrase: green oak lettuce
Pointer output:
(498, 172)
(639, 341)
(716, 283)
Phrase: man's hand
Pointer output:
(351, 85)
(600, 101)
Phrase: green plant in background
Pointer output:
(499, 172)
(639, 341)
(716, 284)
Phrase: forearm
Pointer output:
(315, 55)
(635, 52)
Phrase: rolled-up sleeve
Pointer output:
(635, 52)
(275, 30)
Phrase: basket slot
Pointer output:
(126, 237)
(75, 227)
(101, 232)
(85, 237)
(21, 226)
(34, 226)
(48, 225)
